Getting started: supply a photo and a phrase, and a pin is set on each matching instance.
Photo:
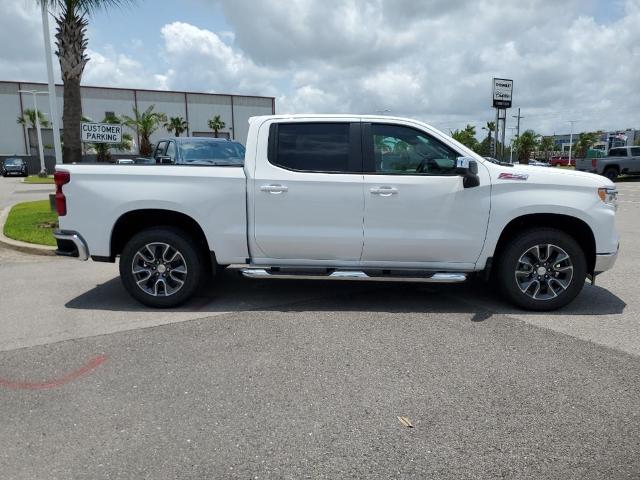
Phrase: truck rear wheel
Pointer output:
(611, 173)
(542, 269)
(160, 267)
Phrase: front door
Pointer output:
(307, 195)
(417, 212)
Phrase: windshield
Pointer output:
(13, 162)
(213, 153)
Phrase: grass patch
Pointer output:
(37, 179)
(32, 222)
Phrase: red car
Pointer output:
(561, 160)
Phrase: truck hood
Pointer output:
(553, 175)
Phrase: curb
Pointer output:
(24, 247)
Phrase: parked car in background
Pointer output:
(144, 161)
(199, 151)
(125, 161)
(14, 166)
(325, 197)
(561, 160)
(538, 163)
(619, 161)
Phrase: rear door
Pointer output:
(307, 194)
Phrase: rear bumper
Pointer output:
(605, 261)
(71, 244)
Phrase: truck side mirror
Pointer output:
(467, 168)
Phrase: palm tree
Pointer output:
(585, 142)
(71, 43)
(216, 124)
(145, 124)
(490, 127)
(29, 118)
(103, 150)
(525, 144)
(177, 125)
(547, 144)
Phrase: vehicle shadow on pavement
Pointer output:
(233, 293)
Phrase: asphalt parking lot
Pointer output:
(295, 379)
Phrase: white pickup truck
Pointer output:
(342, 197)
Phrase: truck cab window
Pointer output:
(171, 151)
(311, 147)
(400, 150)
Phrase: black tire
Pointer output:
(511, 283)
(177, 240)
(611, 173)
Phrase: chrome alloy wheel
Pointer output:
(544, 272)
(159, 269)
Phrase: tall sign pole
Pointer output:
(502, 97)
(53, 98)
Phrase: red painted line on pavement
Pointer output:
(56, 382)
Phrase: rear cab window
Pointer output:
(316, 147)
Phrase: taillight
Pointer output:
(594, 163)
(60, 178)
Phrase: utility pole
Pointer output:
(53, 98)
(571, 139)
(518, 117)
(35, 93)
(511, 142)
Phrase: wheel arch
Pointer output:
(134, 221)
(578, 229)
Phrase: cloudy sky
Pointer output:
(432, 60)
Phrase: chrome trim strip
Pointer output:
(83, 251)
(440, 277)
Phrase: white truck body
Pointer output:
(264, 215)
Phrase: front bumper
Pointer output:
(605, 261)
(71, 244)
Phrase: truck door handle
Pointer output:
(384, 191)
(275, 189)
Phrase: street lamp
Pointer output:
(35, 93)
(571, 139)
(53, 99)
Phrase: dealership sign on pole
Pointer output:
(502, 92)
(101, 132)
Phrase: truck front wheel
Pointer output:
(160, 267)
(542, 269)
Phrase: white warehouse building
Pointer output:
(97, 102)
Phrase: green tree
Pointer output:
(145, 124)
(525, 145)
(467, 136)
(486, 147)
(103, 150)
(176, 125)
(29, 118)
(585, 141)
(71, 42)
(216, 124)
(546, 146)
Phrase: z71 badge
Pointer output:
(513, 176)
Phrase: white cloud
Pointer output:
(430, 60)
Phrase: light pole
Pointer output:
(571, 139)
(53, 99)
(35, 93)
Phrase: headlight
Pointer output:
(608, 195)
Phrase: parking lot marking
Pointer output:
(56, 382)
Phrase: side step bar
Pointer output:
(435, 277)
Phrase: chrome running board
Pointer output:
(406, 276)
